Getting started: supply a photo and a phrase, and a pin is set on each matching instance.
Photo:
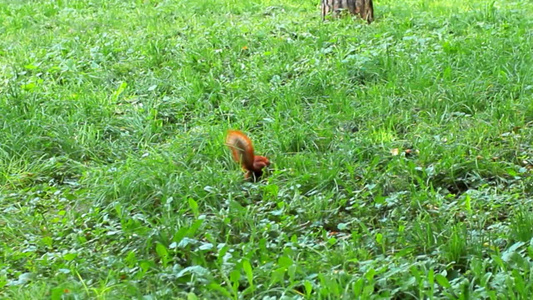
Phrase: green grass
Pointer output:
(402, 150)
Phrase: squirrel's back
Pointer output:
(241, 148)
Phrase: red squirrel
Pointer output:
(243, 153)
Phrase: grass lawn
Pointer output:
(402, 150)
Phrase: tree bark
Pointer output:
(361, 8)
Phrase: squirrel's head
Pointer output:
(260, 162)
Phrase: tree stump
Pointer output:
(361, 8)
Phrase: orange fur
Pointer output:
(243, 153)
